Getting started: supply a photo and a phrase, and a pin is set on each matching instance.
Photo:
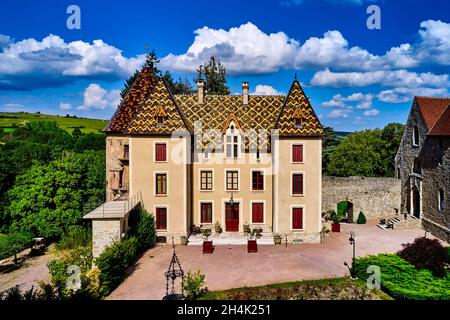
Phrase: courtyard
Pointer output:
(231, 266)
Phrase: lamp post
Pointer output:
(174, 271)
(352, 241)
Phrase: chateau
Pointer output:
(423, 165)
(200, 159)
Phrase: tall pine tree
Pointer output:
(214, 75)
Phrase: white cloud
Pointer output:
(30, 63)
(65, 106)
(339, 113)
(404, 78)
(364, 101)
(247, 49)
(265, 90)
(371, 113)
(12, 107)
(95, 97)
(401, 94)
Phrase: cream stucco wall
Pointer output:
(143, 169)
(311, 199)
(218, 164)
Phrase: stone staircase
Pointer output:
(226, 239)
(396, 223)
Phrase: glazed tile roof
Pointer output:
(150, 98)
(128, 108)
(432, 109)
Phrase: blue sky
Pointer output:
(356, 78)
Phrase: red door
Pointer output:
(232, 217)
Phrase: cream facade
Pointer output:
(199, 160)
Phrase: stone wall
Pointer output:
(376, 197)
(104, 233)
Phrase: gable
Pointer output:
(297, 105)
(129, 106)
(431, 109)
(159, 103)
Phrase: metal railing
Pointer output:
(132, 202)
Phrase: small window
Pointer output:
(160, 121)
(161, 218)
(416, 168)
(441, 200)
(416, 135)
(232, 180)
(232, 145)
(297, 153)
(206, 212)
(257, 180)
(206, 178)
(298, 123)
(297, 183)
(257, 212)
(297, 218)
(161, 152)
(398, 173)
(126, 151)
(161, 184)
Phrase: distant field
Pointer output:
(9, 120)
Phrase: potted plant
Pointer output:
(207, 244)
(195, 229)
(258, 233)
(247, 228)
(277, 238)
(217, 227)
(184, 240)
(335, 226)
(252, 245)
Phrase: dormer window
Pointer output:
(160, 121)
(298, 123)
(232, 142)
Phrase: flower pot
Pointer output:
(208, 247)
(184, 240)
(277, 240)
(252, 246)
(335, 227)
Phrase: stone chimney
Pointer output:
(201, 91)
(245, 92)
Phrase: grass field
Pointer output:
(9, 121)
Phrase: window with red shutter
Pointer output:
(257, 212)
(297, 183)
(297, 218)
(161, 218)
(161, 152)
(297, 153)
(258, 180)
(206, 212)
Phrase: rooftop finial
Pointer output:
(295, 76)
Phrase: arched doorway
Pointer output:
(416, 202)
(345, 210)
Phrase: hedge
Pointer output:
(401, 280)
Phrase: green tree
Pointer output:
(177, 87)
(392, 136)
(48, 198)
(329, 142)
(214, 75)
(14, 243)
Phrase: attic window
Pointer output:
(160, 121)
(298, 123)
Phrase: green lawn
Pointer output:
(324, 289)
(9, 120)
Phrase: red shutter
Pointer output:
(297, 218)
(206, 213)
(297, 153)
(257, 212)
(161, 218)
(160, 152)
(297, 183)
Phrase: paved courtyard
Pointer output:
(231, 266)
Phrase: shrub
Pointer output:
(361, 218)
(193, 285)
(59, 272)
(14, 243)
(448, 254)
(142, 226)
(402, 280)
(426, 253)
(335, 217)
(113, 263)
(76, 236)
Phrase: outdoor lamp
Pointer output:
(352, 243)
